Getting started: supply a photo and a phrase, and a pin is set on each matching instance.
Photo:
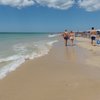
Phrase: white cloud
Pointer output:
(58, 4)
(90, 5)
(17, 3)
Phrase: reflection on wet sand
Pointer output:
(71, 54)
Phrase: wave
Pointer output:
(16, 60)
(53, 35)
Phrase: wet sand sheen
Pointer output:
(60, 75)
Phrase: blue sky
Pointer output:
(48, 17)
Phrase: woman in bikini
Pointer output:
(72, 35)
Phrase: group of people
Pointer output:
(71, 36)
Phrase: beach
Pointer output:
(65, 73)
(93, 59)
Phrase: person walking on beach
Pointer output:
(72, 34)
(93, 36)
(66, 37)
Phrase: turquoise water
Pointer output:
(15, 48)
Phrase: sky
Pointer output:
(49, 15)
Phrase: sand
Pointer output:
(60, 75)
(94, 58)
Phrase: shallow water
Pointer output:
(15, 48)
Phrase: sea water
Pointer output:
(15, 48)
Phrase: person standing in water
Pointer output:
(72, 35)
(66, 37)
(93, 36)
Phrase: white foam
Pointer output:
(53, 35)
(17, 60)
(10, 67)
(52, 42)
(11, 58)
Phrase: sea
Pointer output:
(17, 47)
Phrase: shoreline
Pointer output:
(59, 75)
(5, 70)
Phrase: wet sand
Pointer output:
(61, 75)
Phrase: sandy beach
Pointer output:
(94, 51)
(66, 73)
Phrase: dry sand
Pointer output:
(60, 75)
(94, 58)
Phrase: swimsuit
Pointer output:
(93, 37)
(66, 38)
(71, 37)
